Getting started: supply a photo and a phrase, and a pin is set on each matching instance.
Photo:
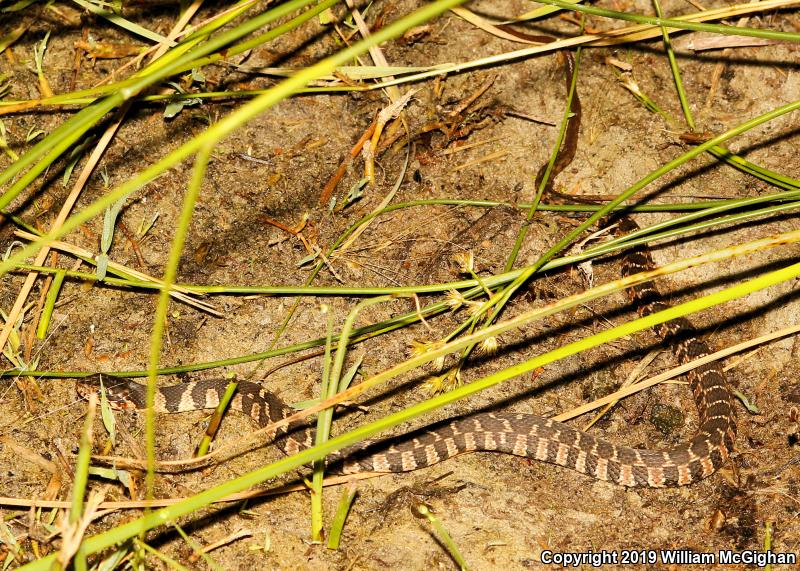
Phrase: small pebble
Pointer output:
(666, 418)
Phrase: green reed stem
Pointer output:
(676, 24)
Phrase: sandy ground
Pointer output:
(501, 511)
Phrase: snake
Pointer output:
(527, 435)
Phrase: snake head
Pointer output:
(116, 390)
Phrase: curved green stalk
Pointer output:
(548, 173)
(330, 387)
(160, 318)
(676, 74)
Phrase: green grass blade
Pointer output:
(50, 303)
(345, 503)
(676, 24)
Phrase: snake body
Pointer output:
(524, 435)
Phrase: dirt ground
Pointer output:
(501, 511)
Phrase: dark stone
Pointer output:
(666, 418)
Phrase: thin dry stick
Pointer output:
(177, 29)
(479, 161)
(388, 113)
(330, 186)
(677, 371)
(392, 91)
(637, 370)
(383, 204)
(235, 536)
(463, 148)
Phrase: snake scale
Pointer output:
(524, 435)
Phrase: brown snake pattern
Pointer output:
(525, 435)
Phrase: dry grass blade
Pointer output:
(72, 533)
(235, 536)
(703, 41)
(178, 292)
(628, 34)
(491, 27)
(630, 380)
(677, 371)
